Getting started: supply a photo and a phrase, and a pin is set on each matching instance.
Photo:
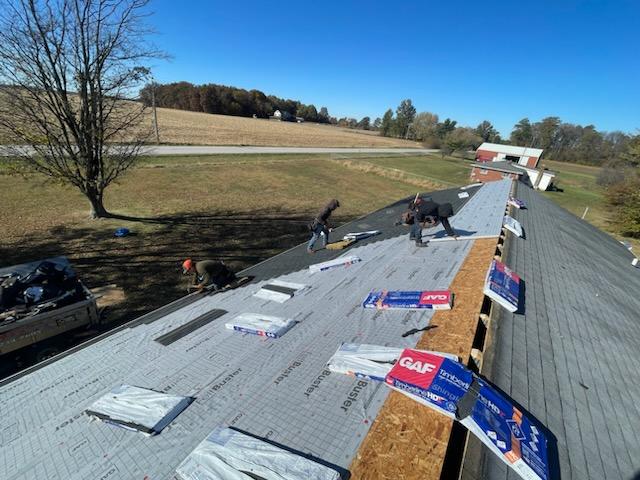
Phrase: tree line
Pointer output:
(618, 153)
(224, 100)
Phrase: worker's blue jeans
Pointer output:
(316, 232)
(416, 232)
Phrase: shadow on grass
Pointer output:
(147, 265)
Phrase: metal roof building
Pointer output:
(495, 152)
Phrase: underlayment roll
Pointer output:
(228, 454)
(361, 235)
(336, 263)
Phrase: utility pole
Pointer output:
(155, 112)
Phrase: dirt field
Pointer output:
(181, 127)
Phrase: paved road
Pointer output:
(221, 150)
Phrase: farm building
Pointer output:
(492, 171)
(493, 152)
(282, 116)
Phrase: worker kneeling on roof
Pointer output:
(425, 214)
(209, 274)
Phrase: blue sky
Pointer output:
(470, 60)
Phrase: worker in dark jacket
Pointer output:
(320, 224)
(210, 274)
(427, 213)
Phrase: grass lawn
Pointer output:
(448, 171)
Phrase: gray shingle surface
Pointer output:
(571, 357)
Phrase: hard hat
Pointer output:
(187, 265)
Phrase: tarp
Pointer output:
(279, 291)
(138, 408)
(258, 324)
(336, 263)
(512, 225)
(452, 389)
(227, 454)
(368, 361)
(515, 202)
(407, 299)
(502, 285)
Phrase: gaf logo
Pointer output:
(418, 366)
(435, 297)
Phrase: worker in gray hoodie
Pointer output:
(320, 224)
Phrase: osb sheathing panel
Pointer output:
(407, 440)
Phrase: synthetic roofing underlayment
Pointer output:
(274, 388)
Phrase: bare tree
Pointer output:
(68, 69)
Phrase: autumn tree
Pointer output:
(67, 68)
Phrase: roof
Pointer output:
(571, 358)
(276, 389)
(505, 166)
(511, 149)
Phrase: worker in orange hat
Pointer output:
(208, 274)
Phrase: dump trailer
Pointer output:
(44, 308)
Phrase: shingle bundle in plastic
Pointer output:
(502, 285)
(228, 454)
(138, 408)
(409, 300)
(512, 225)
(368, 361)
(451, 389)
(263, 325)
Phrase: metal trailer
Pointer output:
(45, 334)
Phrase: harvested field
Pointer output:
(193, 128)
(407, 440)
